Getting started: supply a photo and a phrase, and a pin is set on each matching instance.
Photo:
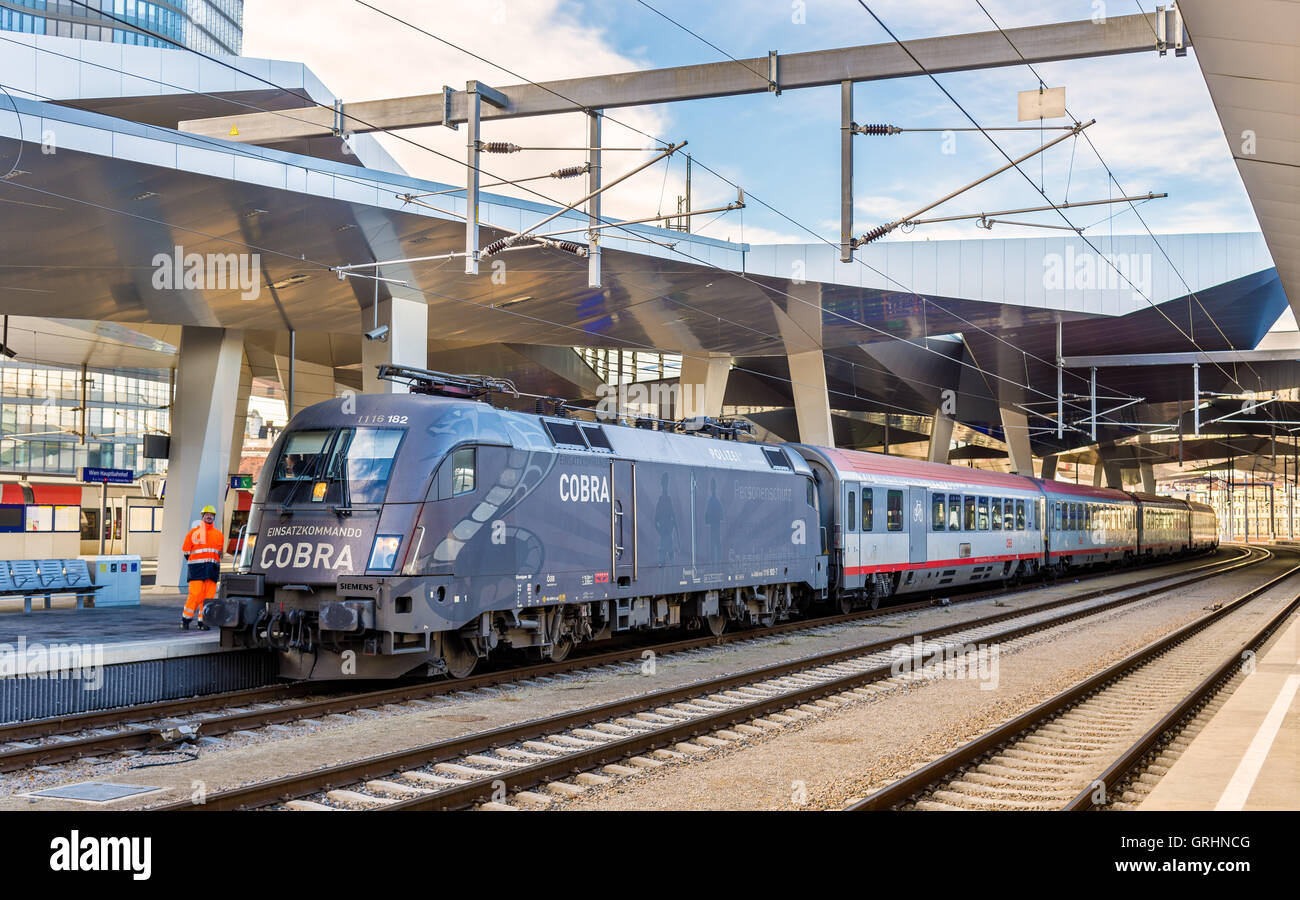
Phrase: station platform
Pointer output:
(64, 660)
(1248, 755)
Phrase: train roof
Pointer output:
(860, 462)
(439, 423)
(1160, 500)
(1082, 491)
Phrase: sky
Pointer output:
(1156, 128)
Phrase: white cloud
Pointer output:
(361, 55)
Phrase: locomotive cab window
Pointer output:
(335, 468)
(938, 514)
(894, 511)
(463, 471)
(868, 510)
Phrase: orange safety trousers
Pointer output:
(199, 591)
(202, 546)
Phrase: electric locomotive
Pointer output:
(417, 533)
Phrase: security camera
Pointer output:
(378, 334)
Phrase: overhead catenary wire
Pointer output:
(925, 301)
(1112, 178)
(984, 373)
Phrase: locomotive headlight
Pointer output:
(246, 553)
(383, 555)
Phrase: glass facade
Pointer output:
(208, 26)
(41, 419)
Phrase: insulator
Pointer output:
(499, 147)
(874, 233)
(495, 247)
(878, 129)
(565, 246)
(570, 172)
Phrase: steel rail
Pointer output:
(936, 772)
(297, 786)
(1117, 772)
(147, 737)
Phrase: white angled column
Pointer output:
(202, 426)
(312, 383)
(1015, 426)
(940, 438)
(406, 344)
(702, 386)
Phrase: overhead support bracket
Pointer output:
(883, 230)
(773, 73)
(1170, 31)
(447, 122)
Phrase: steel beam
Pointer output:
(593, 205)
(818, 68)
(846, 171)
(472, 148)
(1121, 360)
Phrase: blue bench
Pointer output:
(28, 578)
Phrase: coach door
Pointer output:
(918, 534)
(622, 521)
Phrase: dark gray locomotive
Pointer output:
(395, 534)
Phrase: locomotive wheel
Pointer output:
(561, 649)
(460, 658)
(717, 624)
(846, 604)
(875, 600)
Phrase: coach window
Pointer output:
(868, 510)
(894, 511)
(995, 514)
(1020, 515)
(462, 471)
(937, 512)
(1009, 515)
(969, 520)
(851, 512)
(984, 514)
(954, 512)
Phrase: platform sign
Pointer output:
(107, 476)
(241, 482)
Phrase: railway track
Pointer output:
(157, 726)
(1077, 750)
(507, 763)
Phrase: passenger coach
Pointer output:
(901, 526)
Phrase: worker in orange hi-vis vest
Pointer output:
(202, 549)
